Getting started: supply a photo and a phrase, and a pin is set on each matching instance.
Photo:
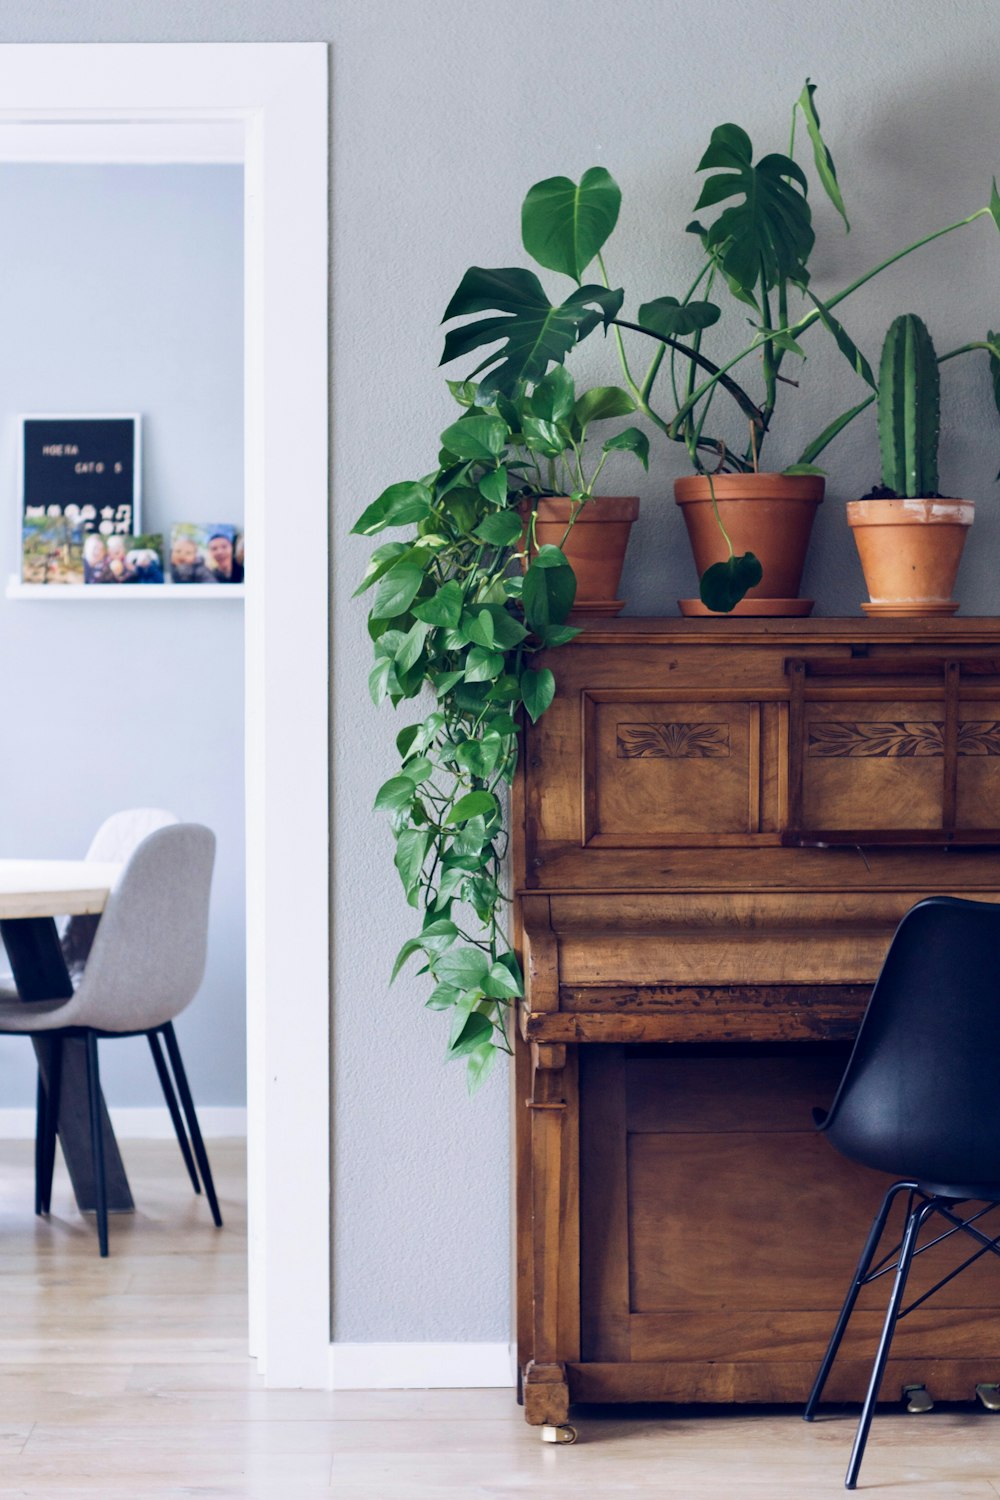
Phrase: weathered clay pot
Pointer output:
(770, 515)
(910, 551)
(595, 546)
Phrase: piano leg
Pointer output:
(546, 1391)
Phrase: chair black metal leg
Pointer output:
(53, 1096)
(864, 1263)
(914, 1224)
(163, 1074)
(174, 1053)
(41, 1134)
(97, 1141)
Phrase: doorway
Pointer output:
(268, 105)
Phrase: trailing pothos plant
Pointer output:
(755, 252)
(452, 615)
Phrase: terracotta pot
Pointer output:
(595, 546)
(910, 551)
(770, 515)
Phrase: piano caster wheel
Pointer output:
(562, 1434)
(918, 1399)
(989, 1396)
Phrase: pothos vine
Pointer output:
(461, 608)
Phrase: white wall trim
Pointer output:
(411, 1366)
(218, 1122)
(122, 142)
(276, 94)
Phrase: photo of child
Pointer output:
(206, 554)
(122, 559)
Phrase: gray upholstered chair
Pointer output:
(112, 844)
(144, 966)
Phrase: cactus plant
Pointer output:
(909, 410)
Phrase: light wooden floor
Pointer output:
(128, 1377)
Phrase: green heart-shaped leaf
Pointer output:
(537, 691)
(473, 805)
(724, 584)
(667, 315)
(500, 529)
(632, 440)
(399, 505)
(477, 1029)
(602, 402)
(563, 225)
(475, 438)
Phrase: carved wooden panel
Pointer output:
(660, 771)
(978, 792)
(872, 764)
(673, 740)
(884, 740)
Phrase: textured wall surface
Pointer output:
(444, 113)
(122, 291)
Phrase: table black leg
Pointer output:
(39, 970)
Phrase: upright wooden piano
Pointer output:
(717, 826)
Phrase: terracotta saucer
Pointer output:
(596, 607)
(766, 607)
(909, 612)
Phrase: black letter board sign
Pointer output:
(82, 469)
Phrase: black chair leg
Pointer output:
(174, 1053)
(53, 1097)
(97, 1141)
(168, 1093)
(864, 1264)
(41, 1136)
(914, 1224)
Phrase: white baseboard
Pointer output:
(216, 1120)
(408, 1366)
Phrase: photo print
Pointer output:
(122, 559)
(202, 553)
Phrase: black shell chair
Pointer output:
(918, 1099)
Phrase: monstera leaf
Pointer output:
(533, 332)
(564, 225)
(768, 232)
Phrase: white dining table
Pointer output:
(33, 892)
(54, 887)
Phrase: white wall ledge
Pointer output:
(50, 593)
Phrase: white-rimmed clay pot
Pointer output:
(910, 551)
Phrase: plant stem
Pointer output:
(618, 338)
(718, 518)
(718, 373)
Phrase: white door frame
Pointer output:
(275, 94)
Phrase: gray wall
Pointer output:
(122, 291)
(443, 114)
